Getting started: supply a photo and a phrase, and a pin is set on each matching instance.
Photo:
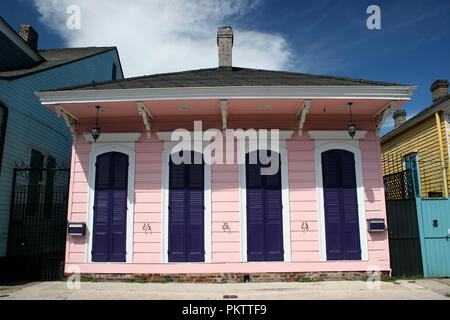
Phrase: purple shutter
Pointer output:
(195, 212)
(331, 193)
(274, 214)
(256, 242)
(118, 220)
(264, 214)
(110, 208)
(177, 213)
(350, 218)
(256, 235)
(186, 212)
(341, 206)
(100, 242)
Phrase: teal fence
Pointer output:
(433, 208)
(434, 228)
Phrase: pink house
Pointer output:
(320, 213)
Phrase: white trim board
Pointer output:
(98, 149)
(113, 137)
(286, 219)
(228, 92)
(168, 145)
(352, 146)
(447, 131)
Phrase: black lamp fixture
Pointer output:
(351, 128)
(95, 132)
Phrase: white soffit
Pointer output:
(336, 135)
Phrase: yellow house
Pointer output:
(416, 173)
(422, 145)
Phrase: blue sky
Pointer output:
(322, 37)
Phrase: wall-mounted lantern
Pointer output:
(96, 129)
(351, 126)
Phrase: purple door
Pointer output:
(341, 205)
(110, 208)
(186, 212)
(264, 214)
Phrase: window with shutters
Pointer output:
(186, 241)
(110, 207)
(264, 212)
(340, 205)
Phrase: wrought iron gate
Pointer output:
(38, 221)
(404, 239)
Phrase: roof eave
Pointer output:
(228, 92)
(445, 105)
(28, 73)
(11, 34)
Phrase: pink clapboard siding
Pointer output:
(225, 205)
(148, 195)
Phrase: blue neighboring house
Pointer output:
(27, 130)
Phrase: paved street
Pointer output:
(422, 289)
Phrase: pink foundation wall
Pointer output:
(225, 208)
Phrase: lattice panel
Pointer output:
(399, 186)
(430, 174)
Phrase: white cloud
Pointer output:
(156, 36)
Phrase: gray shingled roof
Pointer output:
(56, 57)
(235, 76)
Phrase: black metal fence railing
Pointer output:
(38, 222)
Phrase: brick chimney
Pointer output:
(399, 118)
(225, 44)
(439, 89)
(29, 35)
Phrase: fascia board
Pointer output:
(228, 92)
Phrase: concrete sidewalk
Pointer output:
(422, 289)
